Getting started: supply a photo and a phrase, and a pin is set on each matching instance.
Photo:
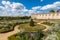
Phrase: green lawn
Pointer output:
(28, 28)
(48, 23)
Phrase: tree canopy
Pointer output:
(52, 10)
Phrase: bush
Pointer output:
(31, 22)
(40, 33)
(48, 23)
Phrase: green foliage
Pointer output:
(40, 32)
(14, 18)
(31, 22)
(7, 27)
(35, 38)
(52, 11)
(58, 36)
(48, 23)
(27, 28)
(58, 10)
(25, 37)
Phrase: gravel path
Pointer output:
(4, 36)
(47, 27)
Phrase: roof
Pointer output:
(45, 13)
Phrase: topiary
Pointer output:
(31, 22)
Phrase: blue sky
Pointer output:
(27, 7)
(31, 3)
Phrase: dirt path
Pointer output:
(47, 27)
(4, 36)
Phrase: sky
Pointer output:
(27, 7)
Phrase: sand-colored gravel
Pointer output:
(47, 27)
(4, 36)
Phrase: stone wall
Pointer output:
(46, 16)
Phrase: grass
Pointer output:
(38, 35)
(4, 30)
(28, 28)
(48, 23)
(9, 25)
(12, 38)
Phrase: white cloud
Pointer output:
(14, 7)
(36, 8)
(48, 7)
(19, 9)
(57, 3)
(2, 8)
(4, 2)
(51, 6)
(31, 11)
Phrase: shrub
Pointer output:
(40, 33)
(31, 22)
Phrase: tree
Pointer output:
(52, 11)
(31, 22)
(58, 10)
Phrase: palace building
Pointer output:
(55, 15)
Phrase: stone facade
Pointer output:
(46, 16)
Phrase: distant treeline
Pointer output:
(14, 18)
